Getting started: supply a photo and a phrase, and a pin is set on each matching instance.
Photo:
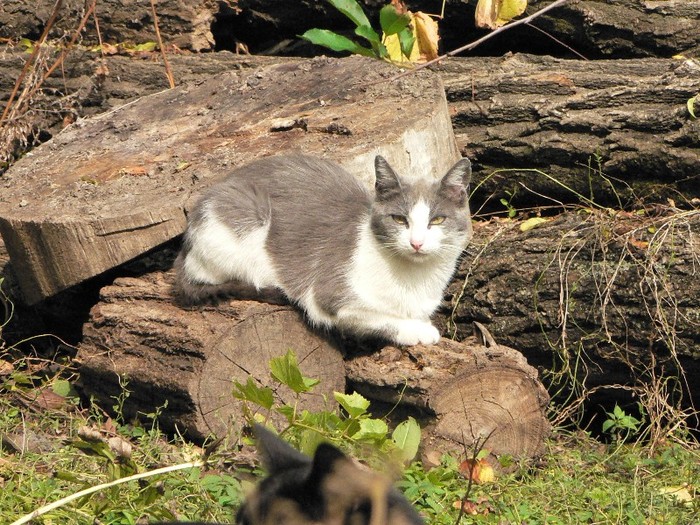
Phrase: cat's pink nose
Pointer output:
(416, 244)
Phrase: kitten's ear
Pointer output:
(387, 181)
(326, 458)
(454, 184)
(277, 455)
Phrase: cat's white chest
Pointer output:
(394, 286)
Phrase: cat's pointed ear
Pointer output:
(326, 460)
(387, 181)
(277, 455)
(454, 184)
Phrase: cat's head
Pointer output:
(328, 489)
(419, 219)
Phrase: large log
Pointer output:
(618, 294)
(189, 358)
(618, 132)
(596, 28)
(627, 120)
(110, 188)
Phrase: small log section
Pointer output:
(475, 392)
(110, 188)
(190, 357)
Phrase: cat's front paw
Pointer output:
(415, 333)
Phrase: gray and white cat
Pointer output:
(370, 264)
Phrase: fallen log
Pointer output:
(475, 392)
(620, 29)
(616, 293)
(616, 132)
(138, 337)
(110, 188)
(182, 363)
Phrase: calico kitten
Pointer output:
(371, 264)
(328, 489)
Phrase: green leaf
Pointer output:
(63, 388)
(336, 42)
(287, 411)
(146, 46)
(261, 396)
(532, 223)
(354, 404)
(369, 34)
(406, 437)
(285, 369)
(392, 21)
(352, 10)
(371, 430)
(407, 40)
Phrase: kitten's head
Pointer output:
(420, 219)
(330, 489)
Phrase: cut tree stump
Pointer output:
(112, 187)
(189, 358)
(475, 392)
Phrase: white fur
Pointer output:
(218, 255)
(420, 231)
(396, 293)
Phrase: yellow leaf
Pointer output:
(531, 223)
(425, 47)
(680, 494)
(427, 36)
(495, 13)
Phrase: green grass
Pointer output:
(578, 480)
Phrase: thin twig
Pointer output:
(56, 504)
(481, 40)
(557, 41)
(168, 71)
(64, 53)
(32, 58)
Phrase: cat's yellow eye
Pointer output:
(437, 220)
(400, 219)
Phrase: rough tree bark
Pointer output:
(183, 362)
(110, 188)
(615, 290)
(618, 132)
(184, 24)
(596, 28)
(189, 358)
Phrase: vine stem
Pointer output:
(481, 40)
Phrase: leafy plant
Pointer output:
(352, 426)
(390, 20)
(620, 424)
